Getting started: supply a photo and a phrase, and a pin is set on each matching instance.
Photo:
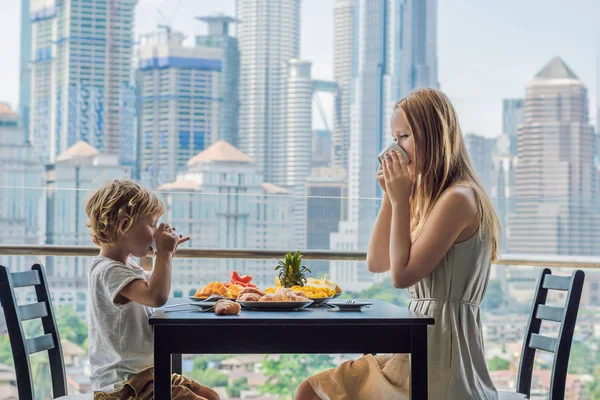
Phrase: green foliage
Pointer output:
(289, 370)
(381, 291)
(498, 364)
(210, 377)
(71, 327)
(236, 386)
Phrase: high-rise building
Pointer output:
(22, 211)
(481, 151)
(395, 54)
(298, 140)
(25, 67)
(178, 104)
(81, 64)
(219, 37)
(321, 148)
(268, 36)
(326, 198)
(503, 187)
(512, 117)
(295, 157)
(221, 201)
(77, 170)
(556, 181)
(344, 57)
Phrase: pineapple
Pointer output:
(291, 270)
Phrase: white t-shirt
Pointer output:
(119, 335)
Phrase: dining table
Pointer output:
(379, 328)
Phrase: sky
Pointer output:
(487, 50)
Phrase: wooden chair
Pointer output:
(560, 346)
(22, 347)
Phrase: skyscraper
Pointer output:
(395, 54)
(321, 149)
(269, 36)
(179, 104)
(81, 64)
(25, 67)
(344, 20)
(298, 115)
(512, 117)
(219, 37)
(556, 178)
(326, 198)
(22, 217)
(503, 185)
(481, 151)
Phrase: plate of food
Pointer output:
(213, 298)
(320, 300)
(275, 305)
(282, 299)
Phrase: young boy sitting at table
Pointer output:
(122, 219)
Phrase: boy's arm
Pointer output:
(155, 292)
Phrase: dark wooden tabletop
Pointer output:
(379, 313)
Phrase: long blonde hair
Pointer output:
(442, 161)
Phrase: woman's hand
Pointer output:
(381, 178)
(397, 178)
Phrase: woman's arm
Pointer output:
(454, 213)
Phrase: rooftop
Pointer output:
(220, 151)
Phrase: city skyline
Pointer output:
(509, 52)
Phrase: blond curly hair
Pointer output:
(117, 201)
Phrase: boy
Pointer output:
(122, 217)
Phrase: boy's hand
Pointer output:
(166, 239)
(181, 240)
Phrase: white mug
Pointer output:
(391, 146)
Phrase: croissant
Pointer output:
(250, 297)
(283, 294)
(250, 290)
(227, 307)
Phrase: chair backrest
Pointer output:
(561, 345)
(21, 346)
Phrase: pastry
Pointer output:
(251, 290)
(250, 297)
(227, 307)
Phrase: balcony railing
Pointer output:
(553, 261)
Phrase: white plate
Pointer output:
(320, 300)
(275, 305)
(211, 301)
(343, 306)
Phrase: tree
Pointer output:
(382, 291)
(498, 364)
(6, 356)
(211, 377)
(289, 370)
(236, 386)
(70, 326)
(494, 297)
